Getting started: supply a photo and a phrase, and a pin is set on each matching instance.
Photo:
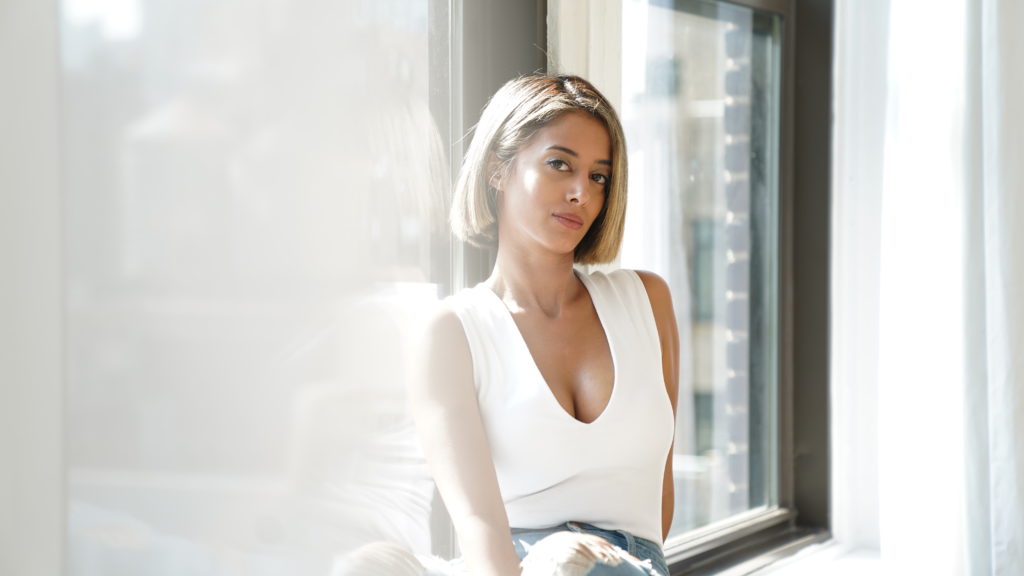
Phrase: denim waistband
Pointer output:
(640, 548)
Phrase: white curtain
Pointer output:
(928, 275)
(996, 496)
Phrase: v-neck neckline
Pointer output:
(525, 349)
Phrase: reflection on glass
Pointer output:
(255, 219)
(701, 83)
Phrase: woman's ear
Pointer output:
(495, 175)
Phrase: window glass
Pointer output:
(700, 87)
(255, 214)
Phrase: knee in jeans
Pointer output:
(569, 554)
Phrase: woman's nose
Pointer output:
(579, 191)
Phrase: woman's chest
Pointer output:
(574, 360)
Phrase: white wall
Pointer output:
(859, 146)
(31, 480)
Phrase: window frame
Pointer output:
(803, 516)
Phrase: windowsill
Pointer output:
(706, 539)
(826, 558)
(746, 546)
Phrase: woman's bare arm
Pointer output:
(668, 333)
(448, 421)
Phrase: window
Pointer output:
(700, 103)
(704, 89)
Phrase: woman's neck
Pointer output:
(532, 282)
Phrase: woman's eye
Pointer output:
(600, 179)
(557, 164)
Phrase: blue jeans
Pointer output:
(640, 548)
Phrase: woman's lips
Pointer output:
(569, 220)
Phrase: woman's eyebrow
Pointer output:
(573, 153)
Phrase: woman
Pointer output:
(547, 405)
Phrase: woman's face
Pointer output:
(556, 186)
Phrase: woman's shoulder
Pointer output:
(461, 315)
(443, 336)
(656, 286)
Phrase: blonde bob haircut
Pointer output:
(514, 114)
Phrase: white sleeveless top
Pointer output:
(551, 467)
